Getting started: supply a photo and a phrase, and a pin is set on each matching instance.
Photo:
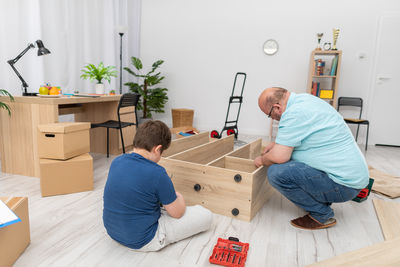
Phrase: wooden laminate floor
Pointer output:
(67, 230)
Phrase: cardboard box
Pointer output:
(16, 237)
(63, 140)
(58, 177)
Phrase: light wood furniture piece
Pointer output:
(208, 172)
(327, 81)
(388, 213)
(381, 254)
(19, 132)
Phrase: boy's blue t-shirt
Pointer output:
(134, 190)
(322, 140)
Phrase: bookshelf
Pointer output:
(323, 76)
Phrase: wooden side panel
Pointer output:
(19, 136)
(381, 254)
(218, 190)
(243, 152)
(261, 190)
(246, 165)
(208, 152)
(186, 143)
(389, 217)
(255, 149)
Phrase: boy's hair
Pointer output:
(151, 134)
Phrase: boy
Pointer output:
(136, 186)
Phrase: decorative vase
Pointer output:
(99, 88)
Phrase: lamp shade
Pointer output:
(41, 49)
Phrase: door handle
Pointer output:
(382, 77)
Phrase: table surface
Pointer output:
(61, 99)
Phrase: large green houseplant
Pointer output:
(91, 72)
(4, 105)
(152, 99)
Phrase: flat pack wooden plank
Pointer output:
(388, 213)
(206, 153)
(239, 164)
(382, 254)
(183, 144)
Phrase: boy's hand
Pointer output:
(178, 195)
(177, 208)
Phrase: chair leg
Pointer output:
(108, 154)
(366, 143)
(122, 140)
(358, 128)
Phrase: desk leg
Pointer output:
(18, 145)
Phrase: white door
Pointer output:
(384, 107)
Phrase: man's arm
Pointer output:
(177, 208)
(277, 154)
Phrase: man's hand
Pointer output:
(277, 154)
(268, 147)
(258, 161)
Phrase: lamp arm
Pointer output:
(24, 84)
(13, 61)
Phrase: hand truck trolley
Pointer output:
(231, 126)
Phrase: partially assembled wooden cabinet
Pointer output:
(209, 172)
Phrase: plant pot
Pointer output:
(99, 88)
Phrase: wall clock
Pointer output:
(270, 47)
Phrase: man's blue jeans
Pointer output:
(309, 188)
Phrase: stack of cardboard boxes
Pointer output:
(65, 164)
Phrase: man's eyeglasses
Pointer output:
(269, 114)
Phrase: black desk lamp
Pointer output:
(41, 51)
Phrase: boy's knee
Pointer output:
(205, 216)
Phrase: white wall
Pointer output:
(204, 43)
(76, 32)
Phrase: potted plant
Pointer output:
(4, 105)
(112, 92)
(98, 73)
(152, 99)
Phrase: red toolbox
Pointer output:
(229, 252)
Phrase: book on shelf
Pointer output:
(315, 87)
(334, 66)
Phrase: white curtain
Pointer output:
(76, 32)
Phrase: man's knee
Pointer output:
(279, 173)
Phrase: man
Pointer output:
(314, 160)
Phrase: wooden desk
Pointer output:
(18, 133)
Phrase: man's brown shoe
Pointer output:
(309, 223)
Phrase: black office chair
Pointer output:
(354, 102)
(127, 100)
